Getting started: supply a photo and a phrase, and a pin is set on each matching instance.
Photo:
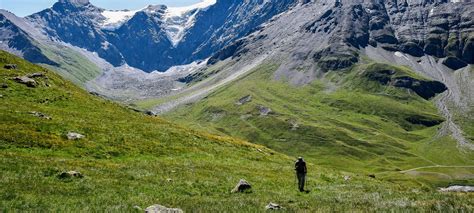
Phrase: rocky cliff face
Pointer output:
(14, 39)
(337, 30)
(151, 40)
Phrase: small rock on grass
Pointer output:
(36, 75)
(74, 136)
(244, 100)
(10, 66)
(162, 209)
(242, 186)
(25, 80)
(457, 189)
(273, 206)
(70, 174)
(40, 115)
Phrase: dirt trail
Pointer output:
(436, 166)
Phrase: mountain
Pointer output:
(141, 160)
(336, 82)
(156, 37)
(377, 95)
(145, 159)
(13, 38)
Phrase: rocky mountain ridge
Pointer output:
(156, 37)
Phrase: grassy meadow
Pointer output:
(130, 160)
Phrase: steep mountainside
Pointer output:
(156, 37)
(16, 40)
(334, 81)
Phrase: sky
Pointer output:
(28, 7)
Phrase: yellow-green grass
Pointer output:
(361, 126)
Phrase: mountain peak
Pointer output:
(75, 2)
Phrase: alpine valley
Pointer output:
(118, 110)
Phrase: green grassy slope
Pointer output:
(72, 65)
(130, 159)
(346, 121)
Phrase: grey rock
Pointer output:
(244, 100)
(3, 86)
(457, 189)
(70, 174)
(454, 63)
(26, 80)
(10, 66)
(273, 206)
(162, 209)
(427, 89)
(150, 113)
(36, 75)
(74, 136)
(347, 178)
(294, 124)
(264, 111)
(40, 115)
(242, 186)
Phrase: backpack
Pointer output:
(300, 166)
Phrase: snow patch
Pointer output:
(401, 55)
(115, 18)
(178, 19)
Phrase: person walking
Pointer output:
(301, 170)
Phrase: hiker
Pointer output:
(300, 167)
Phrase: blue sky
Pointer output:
(27, 7)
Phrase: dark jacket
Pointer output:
(300, 166)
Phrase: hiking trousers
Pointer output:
(301, 180)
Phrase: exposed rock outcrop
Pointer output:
(74, 136)
(242, 186)
(244, 100)
(162, 209)
(26, 81)
(273, 206)
(70, 174)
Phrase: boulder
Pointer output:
(242, 186)
(457, 189)
(40, 115)
(424, 88)
(244, 100)
(264, 111)
(161, 209)
(10, 66)
(4, 86)
(294, 125)
(273, 206)
(70, 174)
(454, 63)
(25, 80)
(36, 75)
(347, 178)
(150, 113)
(74, 136)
